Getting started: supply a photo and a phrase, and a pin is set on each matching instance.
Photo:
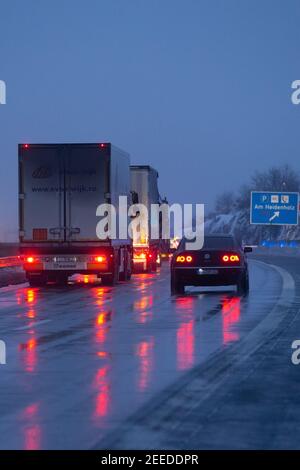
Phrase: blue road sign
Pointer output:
(275, 208)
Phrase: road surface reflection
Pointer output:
(144, 352)
(231, 312)
(185, 307)
(31, 427)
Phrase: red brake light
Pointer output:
(102, 145)
(231, 258)
(184, 259)
(100, 259)
(139, 255)
(30, 259)
(25, 146)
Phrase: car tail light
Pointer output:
(184, 259)
(100, 259)
(30, 259)
(230, 258)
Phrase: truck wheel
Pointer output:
(177, 287)
(111, 279)
(130, 265)
(149, 267)
(37, 281)
(124, 275)
(154, 266)
(62, 280)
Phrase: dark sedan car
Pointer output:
(221, 262)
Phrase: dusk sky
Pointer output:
(198, 89)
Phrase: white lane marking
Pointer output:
(288, 283)
(258, 335)
(32, 325)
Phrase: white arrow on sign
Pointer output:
(276, 214)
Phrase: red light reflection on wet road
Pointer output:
(185, 345)
(103, 397)
(231, 311)
(144, 351)
(30, 296)
(32, 429)
(103, 318)
(29, 354)
(142, 307)
(185, 333)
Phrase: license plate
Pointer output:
(65, 265)
(71, 265)
(208, 271)
(65, 259)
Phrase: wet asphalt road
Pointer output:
(82, 360)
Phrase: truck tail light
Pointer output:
(140, 255)
(100, 259)
(30, 259)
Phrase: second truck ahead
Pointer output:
(146, 251)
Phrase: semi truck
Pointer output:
(60, 188)
(144, 188)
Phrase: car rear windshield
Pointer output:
(210, 243)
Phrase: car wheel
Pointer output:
(177, 287)
(243, 285)
(247, 286)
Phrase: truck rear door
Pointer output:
(87, 183)
(41, 193)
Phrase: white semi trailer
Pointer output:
(60, 188)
